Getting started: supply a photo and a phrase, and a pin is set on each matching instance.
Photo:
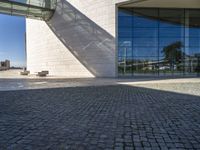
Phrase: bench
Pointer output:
(42, 73)
(24, 73)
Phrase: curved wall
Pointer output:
(79, 40)
(46, 52)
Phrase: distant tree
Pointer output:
(173, 53)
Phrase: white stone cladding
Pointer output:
(79, 40)
(46, 52)
(101, 12)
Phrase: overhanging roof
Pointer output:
(39, 9)
(162, 3)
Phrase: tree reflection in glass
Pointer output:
(173, 54)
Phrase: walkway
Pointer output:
(39, 9)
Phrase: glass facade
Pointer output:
(158, 42)
(39, 9)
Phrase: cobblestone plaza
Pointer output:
(111, 117)
(122, 75)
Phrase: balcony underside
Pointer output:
(37, 9)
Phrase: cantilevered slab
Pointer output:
(39, 9)
(162, 3)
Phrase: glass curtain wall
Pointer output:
(158, 42)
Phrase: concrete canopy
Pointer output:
(162, 3)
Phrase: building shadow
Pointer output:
(89, 43)
(92, 117)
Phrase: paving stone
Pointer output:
(105, 117)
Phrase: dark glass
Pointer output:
(192, 51)
(145, 42)
(125, 66)
(193, 13)
(144, 22)
(192, 65)
(171, 32)
(145, 32)
(171, 13)
(192, 42)
(172, 22)
(145, 51)
(167, 41)
(152, 13)
(125, 51)
(125, 33)
(192, 32)
(194, 22)
(125, 21)
(125, 42)
(125, 12)
(159, 42)
(145, 66)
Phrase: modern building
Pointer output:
(111, 38)
(4, 65)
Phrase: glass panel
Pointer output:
(171, 13)
(192, 42)
(192, 51)
(164, 43)
(171, 32)
(145, 51)
(170, 41)
(194, 22)
(145, 66)
(193, 32)
(144, 22)
(20, 10)
(125, 51)
(40, 9)
(128, 67)
(193, 13)
(5, 8)
(192, 65)
(125, 12)
(121, 65)
(125, 65)
(146, 12)
(172, 22)
(125, 21)
(125, 32)
(125, 42)
(145, 32)
(145, 42)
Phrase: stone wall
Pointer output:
(79, 40)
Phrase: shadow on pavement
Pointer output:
(104, 117)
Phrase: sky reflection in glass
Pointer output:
(158, 41)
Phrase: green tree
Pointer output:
(173, 53)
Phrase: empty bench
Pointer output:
(24, 73)
(42, 73)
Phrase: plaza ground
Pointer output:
(84, 114)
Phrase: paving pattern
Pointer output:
(116, 117)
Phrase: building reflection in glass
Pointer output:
(158, 42)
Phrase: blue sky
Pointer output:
(12, 39)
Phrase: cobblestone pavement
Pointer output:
(92, 118)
